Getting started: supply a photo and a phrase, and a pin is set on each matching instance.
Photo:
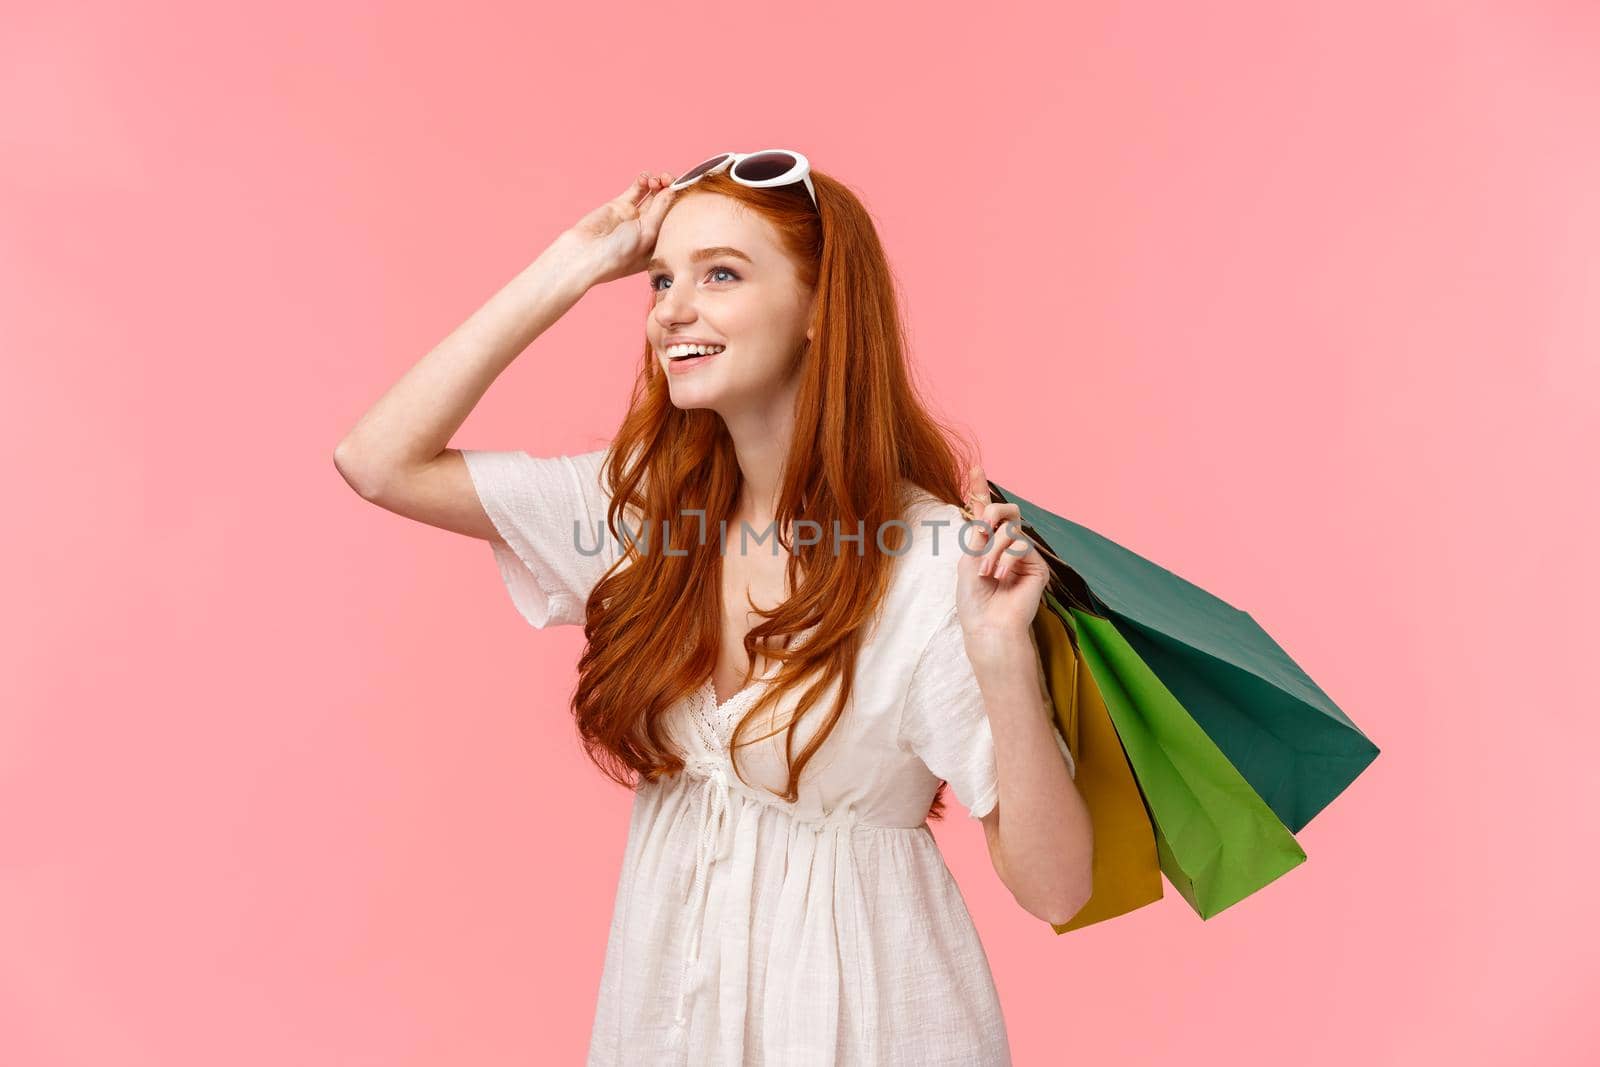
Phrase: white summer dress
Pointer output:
(750, 931)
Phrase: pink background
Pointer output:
(1302, 303)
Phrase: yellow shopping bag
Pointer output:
(1127, 871)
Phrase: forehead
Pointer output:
(708, 220)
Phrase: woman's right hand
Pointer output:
(617, 238)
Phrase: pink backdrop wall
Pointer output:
(1301, 300)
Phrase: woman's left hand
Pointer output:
(998, 590)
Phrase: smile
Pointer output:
(684, 358)
(690, 351)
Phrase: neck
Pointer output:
(761, 445)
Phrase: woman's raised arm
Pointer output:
(398, 456)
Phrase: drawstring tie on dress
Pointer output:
(715, 845)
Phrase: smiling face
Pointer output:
(720, 276)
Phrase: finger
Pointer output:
(986, 565)
(977, 489)
(660, 201)
(1001, 519)
(1014, 555)
(656, 182)
(649, 188)
(636, 189)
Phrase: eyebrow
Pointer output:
(705, 253)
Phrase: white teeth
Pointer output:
(679, 351)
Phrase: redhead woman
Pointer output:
(795, 635)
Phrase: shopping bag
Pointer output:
(1127, 872)
(1294, 746)
(1217, 840)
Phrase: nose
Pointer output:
(675, 307)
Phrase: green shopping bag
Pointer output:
(1216, 839)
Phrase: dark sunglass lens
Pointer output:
(701, 169)
(764, 166)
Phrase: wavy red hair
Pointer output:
(861, 431)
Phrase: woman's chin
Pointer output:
(687, 396)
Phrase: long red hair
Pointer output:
(860, 432)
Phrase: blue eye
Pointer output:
(714, 270)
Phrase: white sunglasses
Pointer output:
(759, 170)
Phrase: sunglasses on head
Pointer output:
(759, 170)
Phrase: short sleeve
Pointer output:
(945, 724)
(550, 512)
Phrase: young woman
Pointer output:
(792, 642)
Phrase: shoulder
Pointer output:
(936, 534)
(926, 570)
(591, 466)
(592, 469)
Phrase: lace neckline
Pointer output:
(721, 708)
(709, 687)
(714, 721)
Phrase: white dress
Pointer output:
(750, 931)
